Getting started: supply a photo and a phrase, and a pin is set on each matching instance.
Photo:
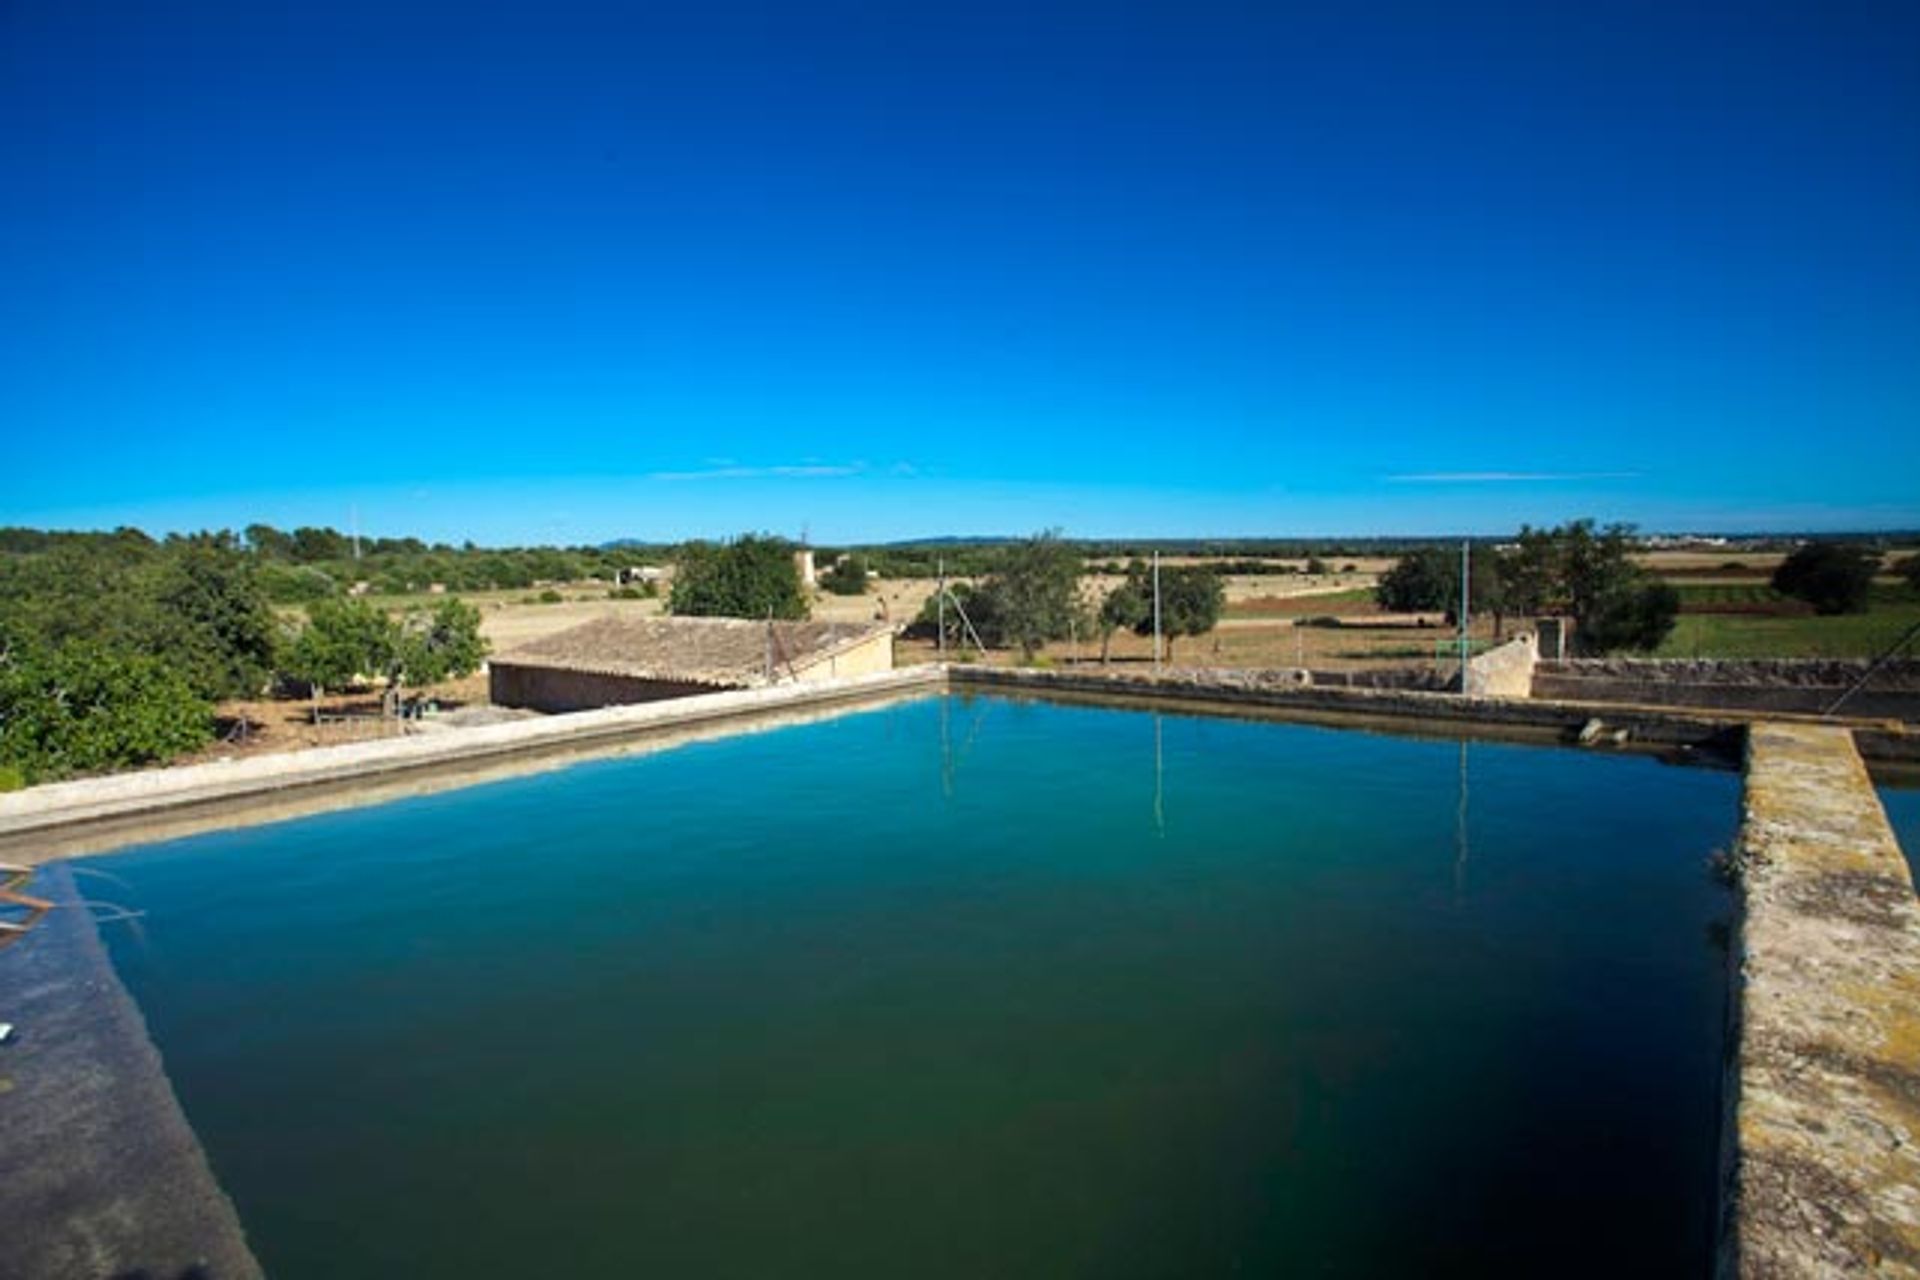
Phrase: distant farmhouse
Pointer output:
(614, 660)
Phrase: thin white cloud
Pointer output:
(1506, 477)
(802, 471)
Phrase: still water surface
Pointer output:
(965, 987)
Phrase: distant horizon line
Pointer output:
(1895, 532)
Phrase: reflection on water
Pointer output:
(1460, 832)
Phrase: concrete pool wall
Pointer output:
(1824, 1097)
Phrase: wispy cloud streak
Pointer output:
(1506, 477)
(802, 471)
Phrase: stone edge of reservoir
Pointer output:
(1823, 1150)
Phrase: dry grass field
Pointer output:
(1325, 621)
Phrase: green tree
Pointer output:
(436, 644)
(1636, 615)
(268, 542)
(343, 640)
(754, 576)
(1034, 593)
(219, 630)
(1529, 572)
(1128, 605)
(309, 544)
(83, 707)
(1191, 601)
(1419, 582)
(1833, 577)
(1910, 570)
(1428, 580)
(848, 577)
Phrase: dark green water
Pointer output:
(965, 988)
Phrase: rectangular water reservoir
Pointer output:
(965, 987)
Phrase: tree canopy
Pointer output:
(1033, 595)
(1577, 568)
(753, 576)
(1833, 577)
(848, 576)
(347, 639)
(1192, 597)
(82, 707)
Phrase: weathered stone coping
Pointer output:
(1654, 728)
(71, 818)
(1823, 1157)
(100, 1174)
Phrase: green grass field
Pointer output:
(1732, 635)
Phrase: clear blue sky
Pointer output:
(553, 272)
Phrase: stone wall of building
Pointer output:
(555, 689)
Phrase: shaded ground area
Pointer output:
(99, 1174)
(258, 726)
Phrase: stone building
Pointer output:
(615, 660)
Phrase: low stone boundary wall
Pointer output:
(1282, 696)
(1761, 685)
(1823, 1152)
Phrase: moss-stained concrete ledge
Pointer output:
(1824, 1158)
(100, 1176)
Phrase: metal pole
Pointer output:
(943, 608)
(1465, 568)
(1156, 610)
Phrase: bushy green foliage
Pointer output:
(347, 639)
(220, 631)
(437, 643)
(192, 601)
(1637, 615)
(848, 577)
(1833, 577)
(1578, 568)
(298, 584)
(1033, 594)
(1419, 582)
(344, 639)
(1192, 598)
(1910, 570)
(82, 707)
(753, 576)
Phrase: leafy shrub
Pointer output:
(550, 596)
(83, 707)
(848, 577)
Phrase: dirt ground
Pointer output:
(261, 726)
